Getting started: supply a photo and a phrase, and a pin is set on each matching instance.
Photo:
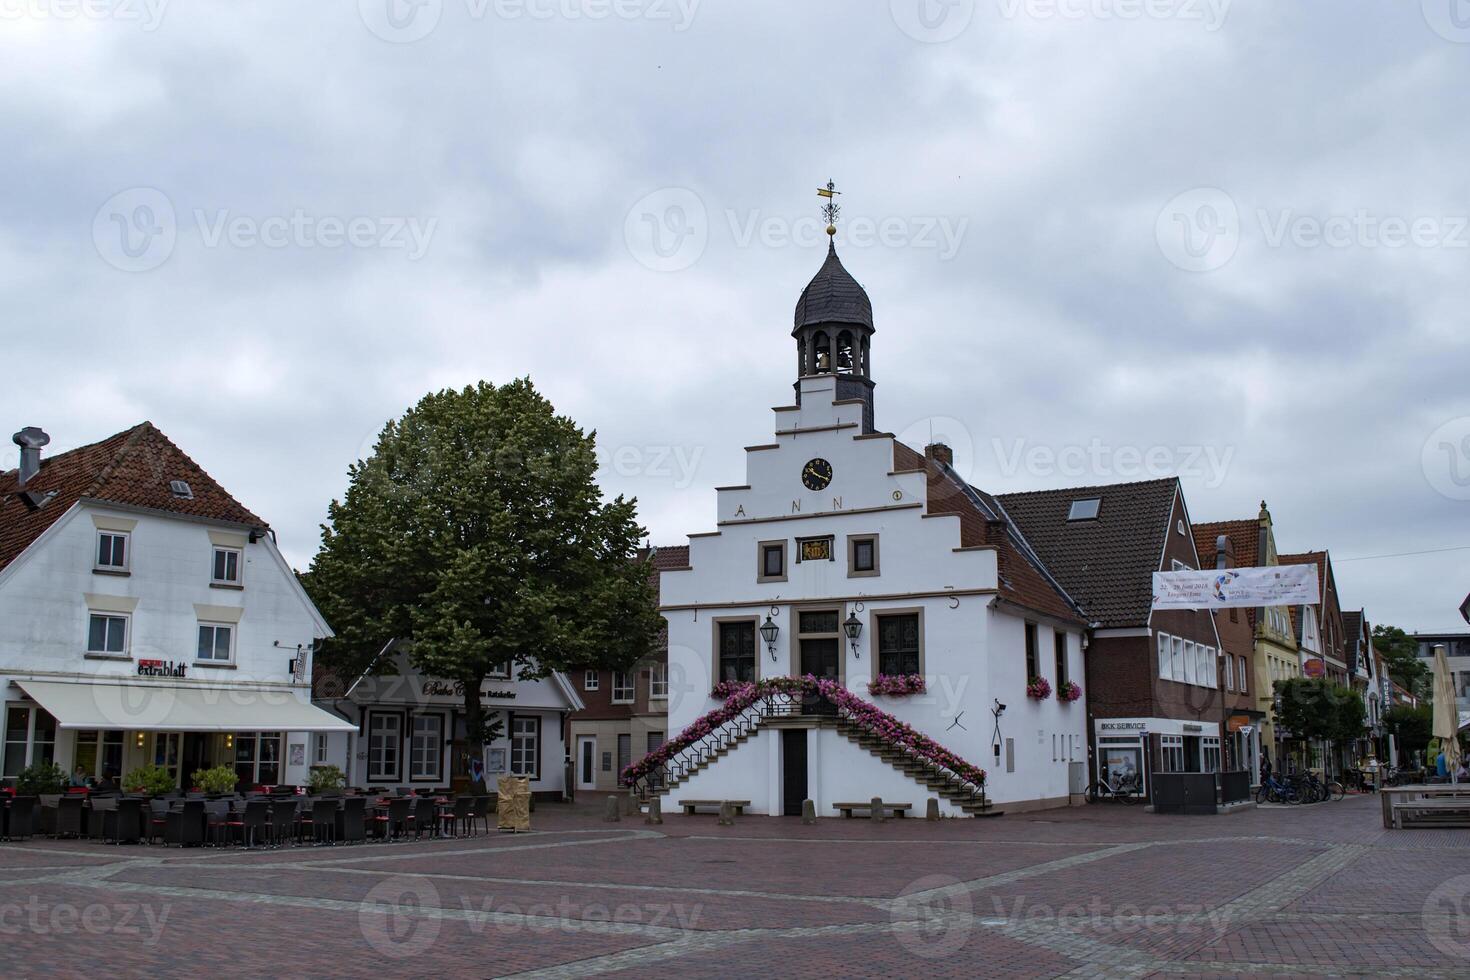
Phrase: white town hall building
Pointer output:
(849, 556)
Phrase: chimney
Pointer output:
(939, 452)
(1224, 552)
(30, 440)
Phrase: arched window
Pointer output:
(822, 350)
(844, 352)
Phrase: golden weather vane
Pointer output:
(831, 209)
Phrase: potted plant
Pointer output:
(1038, 688)
(1069, 692)
(41, 778)
(325, 778)
(897, 685)
(150, 780)
(216, 781)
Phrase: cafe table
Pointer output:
(1388, 794)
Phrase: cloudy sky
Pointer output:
(1104, 239)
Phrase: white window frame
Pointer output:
(320, 748)
(1166, 657)
(1171, 753)
(29, 755)
(658, 682)
(629, 686)
(1176, 660)
(434, 755)
(127, 644)
(212, 660)
(502, 672)
(591, 681)
(127, 540)
(1245, 686)
(225, 550)
(1229, 672)
(518, 740)
(1191, 663)
(386, 742)
(1210, 754)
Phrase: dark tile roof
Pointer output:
(1352, 625)
(132, 468)
(833, 296)
(1106, 564)
(1024, 579)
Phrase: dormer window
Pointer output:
(180, 489)
(1085, 509)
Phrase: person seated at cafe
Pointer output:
(79, 777)
(108, 783)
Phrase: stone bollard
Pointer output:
(875, 811)
(808, 812)
(727, 814)
(655, 811)
(610, 811)
(932, 811)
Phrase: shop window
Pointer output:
(30, 737)
(1172, 753)
(1211, 748)
(257, 758)
(99, 753)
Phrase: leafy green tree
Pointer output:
(1400, 653)
(476, 536)
(1411, 727)
(1315, 708)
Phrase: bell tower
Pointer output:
(834, 324)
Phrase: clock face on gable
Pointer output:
(816, 474)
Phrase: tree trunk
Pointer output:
(474, 727)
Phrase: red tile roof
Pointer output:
(132, 468)
(1245, 540)
(1024, 581)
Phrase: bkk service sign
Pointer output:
(1226, 588)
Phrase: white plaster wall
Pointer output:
(973, 652)
(744, 774)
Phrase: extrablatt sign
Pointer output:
(1236, 588)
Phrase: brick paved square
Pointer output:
(1094, 891)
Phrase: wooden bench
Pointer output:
(691, 805)
(1440, 812)
(896, 809)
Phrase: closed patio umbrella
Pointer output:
(1446, 714)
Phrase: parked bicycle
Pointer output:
(1125, 789)
(1273, 790)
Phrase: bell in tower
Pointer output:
(834, 325)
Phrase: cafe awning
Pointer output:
(151, 706)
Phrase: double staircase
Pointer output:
(786, 708)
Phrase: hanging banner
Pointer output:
(1233, 588)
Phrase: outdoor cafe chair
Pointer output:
(221, 823)
(324, 821)
(157, 818)
(283, 821)
(480, 811)
(394, 823)
(352, 820)
(96, 815)
(255, 821)
(185, 826)
(68, 817)
(457, 819)
(22, 822)
(423, 817)
(122, 823)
